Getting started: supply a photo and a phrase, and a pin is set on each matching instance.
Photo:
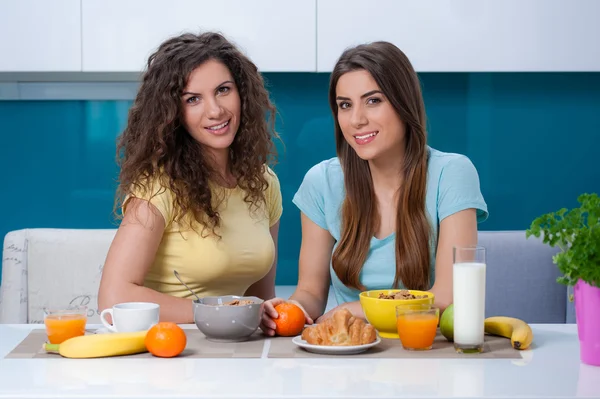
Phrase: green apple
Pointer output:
(447, 323)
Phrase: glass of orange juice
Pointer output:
(417, 325)
(62, 324)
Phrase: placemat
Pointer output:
(494, 348)
(197, 347)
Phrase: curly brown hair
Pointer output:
(156, 145)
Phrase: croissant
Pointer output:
(341, 329)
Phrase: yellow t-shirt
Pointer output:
(209, 265)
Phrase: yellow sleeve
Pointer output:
(158, 195)
(273, 198)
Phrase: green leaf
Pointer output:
(577, 233)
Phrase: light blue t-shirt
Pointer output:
(452, 186)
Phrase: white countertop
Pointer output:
(551, 369)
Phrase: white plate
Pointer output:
(334, 350)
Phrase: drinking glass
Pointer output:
(417, 325)
(469, 269)
(62, 324)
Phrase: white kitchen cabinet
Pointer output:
(120, 35)
(40, 35)
(467, 35)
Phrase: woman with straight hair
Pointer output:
(387, 211)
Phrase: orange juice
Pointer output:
(417, 330)
(61, 327)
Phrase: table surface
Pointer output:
(550, 369)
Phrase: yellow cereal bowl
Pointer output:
(381, 313)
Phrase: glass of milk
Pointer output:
(469, 298)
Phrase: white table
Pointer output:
(551, 369)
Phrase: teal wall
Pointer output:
(534, 138)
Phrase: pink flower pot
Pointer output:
(587, 312)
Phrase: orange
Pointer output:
(165, 339)
(290, 321)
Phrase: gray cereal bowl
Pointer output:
(221, 321)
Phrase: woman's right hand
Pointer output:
(269, 314)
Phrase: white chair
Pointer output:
(51, 268)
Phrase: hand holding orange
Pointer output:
(290, 321)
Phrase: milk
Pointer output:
(469, 304)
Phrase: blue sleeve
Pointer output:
(310, 197)
(459, 189)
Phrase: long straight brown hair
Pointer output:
(398, 81)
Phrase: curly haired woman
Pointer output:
(195, 189)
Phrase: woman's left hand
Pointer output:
(354, 307)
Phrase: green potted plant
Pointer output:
(577, 233)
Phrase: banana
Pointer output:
(517, 330)
(100, 345)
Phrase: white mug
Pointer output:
(131, 316)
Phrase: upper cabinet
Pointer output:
(467, 35)
(120, 35)
(104, 36)
(40, 35)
